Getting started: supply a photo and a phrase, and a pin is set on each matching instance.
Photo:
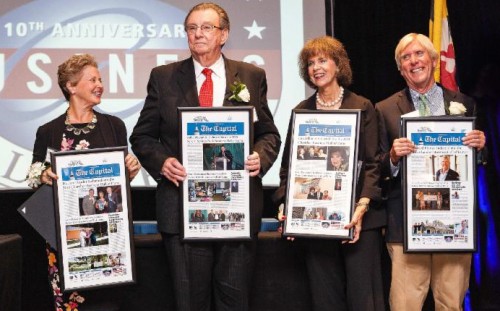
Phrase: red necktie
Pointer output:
(207, 89)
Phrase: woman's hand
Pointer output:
(48, 176)
(133, 166)
(357, 219)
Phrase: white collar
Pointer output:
(217, 68)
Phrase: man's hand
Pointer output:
(401, 147)
(173, 170)
(252, 164)
(475, 138)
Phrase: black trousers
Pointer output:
(344, 276)
(206, 274)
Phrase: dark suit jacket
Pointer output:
(113, 203)
(389, 113)
(88, 205)
(368, 183)
(229, 157)
(451, 175)
(319, 195)
(156, 134)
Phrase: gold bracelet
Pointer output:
(366, 205)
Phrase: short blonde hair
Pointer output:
(71, 71)
(410, 38)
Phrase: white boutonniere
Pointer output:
(240, 92)
(457, 108)
(35, 173)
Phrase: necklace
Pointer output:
(330, 103)
(77, 131)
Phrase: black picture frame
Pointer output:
(439, 208)
(327, 171)
(103, 253)
(213, 206)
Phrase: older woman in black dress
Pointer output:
(342, 276)
(80, 127)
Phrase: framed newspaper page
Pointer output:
(322, 173)
(216, 192)
(93, 218)
(439, 186)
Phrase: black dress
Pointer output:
(109, 131)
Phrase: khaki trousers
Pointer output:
(446, 273)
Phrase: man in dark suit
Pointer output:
(445, 172)
(88, 203)
(448, 273)
(228, 155)
(319, 194)
(112, 199)
(204, 270)
(310, 155)
(234, 186)
(312, 193)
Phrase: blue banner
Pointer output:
(437, 139)
(90, 172)
(325, 130)
(216, 128)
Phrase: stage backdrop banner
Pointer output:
(128, 39)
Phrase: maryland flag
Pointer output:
(440, 35)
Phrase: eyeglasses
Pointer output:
(205, 28)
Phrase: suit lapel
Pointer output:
(346, 103)
(448, 97)
(311, 103)
(405, 103)
(231, 76)
(187, 83)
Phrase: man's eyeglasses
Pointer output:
(206, 28)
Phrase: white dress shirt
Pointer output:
(218, 79)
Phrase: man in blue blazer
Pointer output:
(412, 274)
(203, 271)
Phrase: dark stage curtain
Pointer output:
(475, 27)
(371, 30)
